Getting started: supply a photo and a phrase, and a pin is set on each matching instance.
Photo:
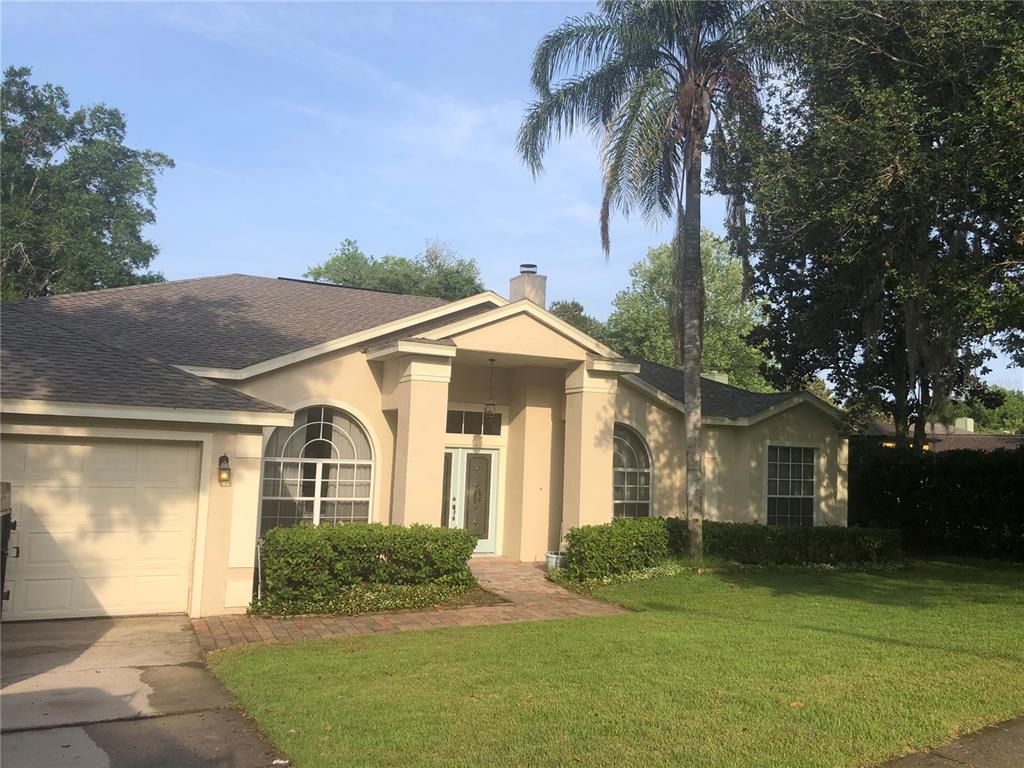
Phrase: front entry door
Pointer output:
(470, 493)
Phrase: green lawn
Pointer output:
(787, 669)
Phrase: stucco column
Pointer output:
(589, 430)
(421, 400)
(533, 497)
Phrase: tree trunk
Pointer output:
(688, 287)
(901, 400)
(921, 417)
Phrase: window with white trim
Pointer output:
(791, 484)
(631, 480)
(319, 471)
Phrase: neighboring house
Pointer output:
(958, 436)
(152, 432)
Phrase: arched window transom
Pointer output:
(318, 471)
(631, 474)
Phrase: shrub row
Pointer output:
(306, 569)
(596, 552)
(756, 544)
(953, 502)
(621, 546)
(361, 598)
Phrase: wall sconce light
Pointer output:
(490, 407)
(224, 470)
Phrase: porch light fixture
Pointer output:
(224, 470)
(490, 408)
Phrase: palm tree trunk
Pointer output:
(688, 287)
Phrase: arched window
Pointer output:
(318, 471)
(632, 474)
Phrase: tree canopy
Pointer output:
(888, 218)
(996, 410)
(638, 323)
(75, 198)
(573, 313)
(438, 271)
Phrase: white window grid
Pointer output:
(791, 485)
(631, 480)
(296, 489)
(318, 490)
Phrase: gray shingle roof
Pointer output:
(943, 437)
(718, 400)
(231, 321)
(975, 442)
(40, 361)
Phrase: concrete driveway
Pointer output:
(118, 693)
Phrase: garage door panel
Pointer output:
(160, 592)
(45, 457)
(12, 459)
(164, 508)
(44, 508)
(163, 547)
(112, 459)
(115, 593)
(106, 547)
(45, 548)
(105, 528)
(43, 595)
(165, 467)
(106, 509)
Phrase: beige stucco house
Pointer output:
(151, 432)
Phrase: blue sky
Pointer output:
(296, 125)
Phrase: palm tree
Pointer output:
(651, 79)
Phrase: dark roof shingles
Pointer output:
(231, 321)
(974, 442)
(943, 437)
(40, 361)
(718, 400)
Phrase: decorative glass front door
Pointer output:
(470, 493)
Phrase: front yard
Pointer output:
(771, 668)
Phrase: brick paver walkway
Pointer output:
(532, 597)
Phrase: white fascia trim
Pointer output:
(410, 347)
(144, 413)
(656, 393)
(799, 398)
(523, 307)
(240, 374)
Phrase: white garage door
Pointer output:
(104, 527)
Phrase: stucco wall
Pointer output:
(663, 429)
(735, 459)
(735, 465)
(345, 380)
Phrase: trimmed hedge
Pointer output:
(361, 598)
(756, 544)
(596, 552)
(954, 502)
(621, 546)
(330, 569)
